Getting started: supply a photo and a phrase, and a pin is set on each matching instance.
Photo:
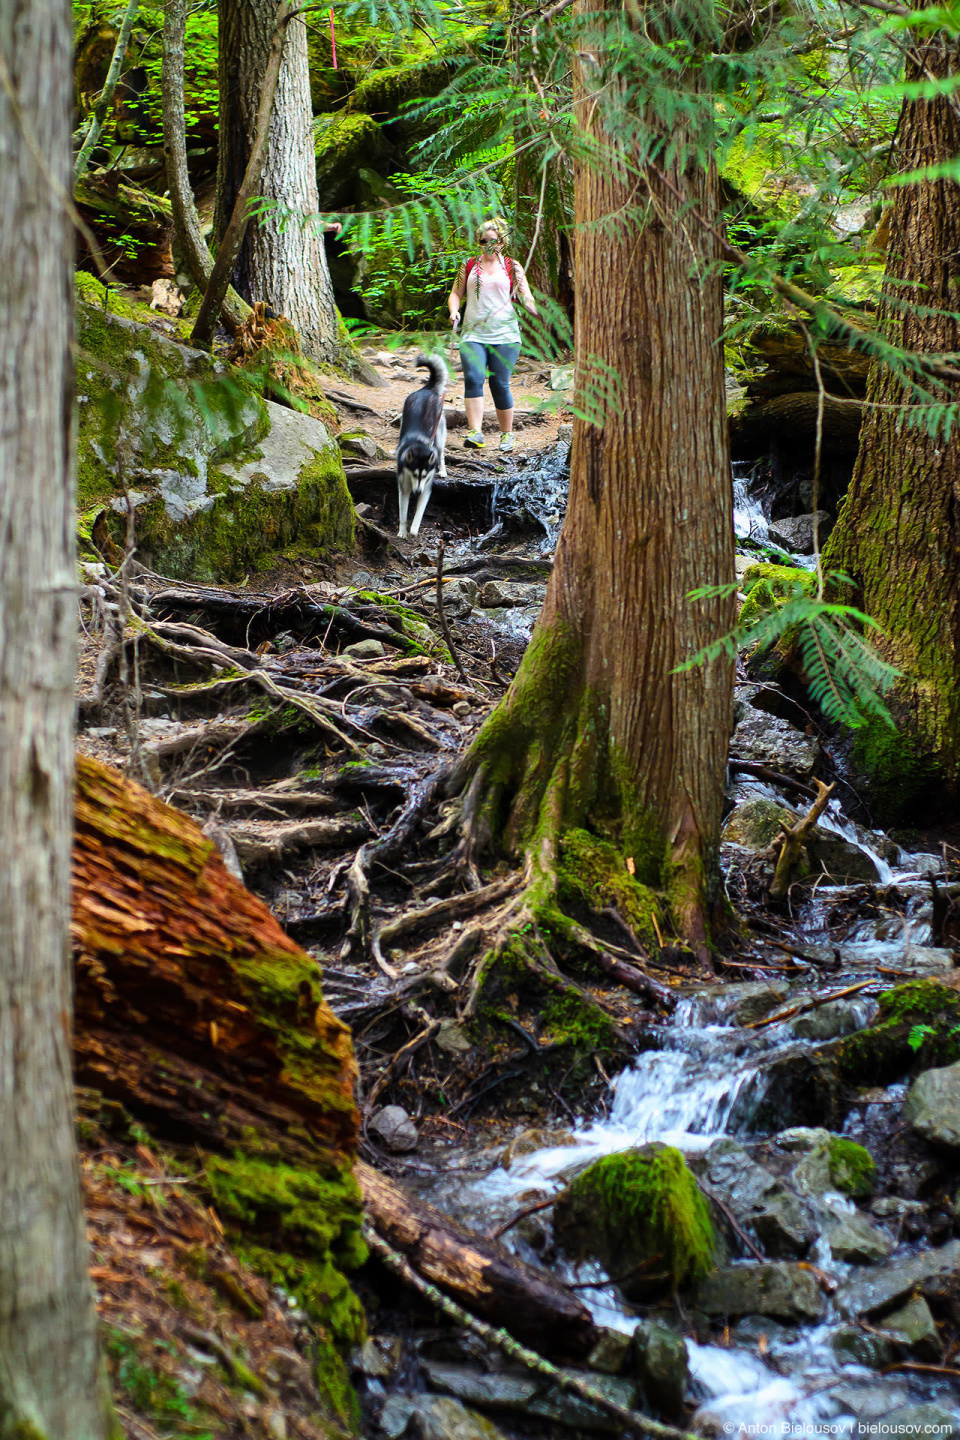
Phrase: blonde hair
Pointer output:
(499, 224)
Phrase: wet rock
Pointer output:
(853, 1346)
(506, 593)
(855, 1241)
(885, 1286)
(379, 1357)
(797, 534)
(755, 824)
(760, 1201)
(914, 1329)
(396, 1415)
(452, 1038)
(932, 1106)
(579, 1415)
(784, 1291)
(834, 1163)
(842, 860)
(828, 1022)
(870, 1402)
(529, 1141)
(460, 596)
(365, 649)
(759, 999)
(610, 1353)
(916, 1421)
(393, 1126)
(894, 1207)
(561, 377)
(440, 1417)
(507, 1391)
(532, 1396)
(768, 740)
(660, 1360)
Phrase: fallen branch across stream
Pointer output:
(632, 1422)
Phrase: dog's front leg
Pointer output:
(421, 506)
(403, 495)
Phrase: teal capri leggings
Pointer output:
(494, 361)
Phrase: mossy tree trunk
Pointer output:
(898, 533)
(50, 1384)
(284, 265)
(596, 731)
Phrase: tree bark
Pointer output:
(898, 533)
(50, 1385)
(186, 222)
(284, 266)
(596, 730)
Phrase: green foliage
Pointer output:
(844, 674)
(136, 1369)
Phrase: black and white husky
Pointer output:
(423, 434)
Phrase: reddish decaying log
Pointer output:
(190, 999)
(481, 1274)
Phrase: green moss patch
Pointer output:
(916, 1028)
(768, 586)
(640, 1211)
(593, 872)
(852, 1168)
(309, 1226)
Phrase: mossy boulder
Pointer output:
(221, 479)
(852, 1168)
(917, 1025)
(343, 144)
(642, 1215)
(755, 824)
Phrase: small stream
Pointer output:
(710, 1076)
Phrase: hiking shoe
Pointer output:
(506, 443)
(473, 440)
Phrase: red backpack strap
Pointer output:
(511, 269)
(471, 265)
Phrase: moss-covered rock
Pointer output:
(916, 1026)
(767, 586)
(343, 144)
(641, 1214)
(220, 478)
(852, 1168)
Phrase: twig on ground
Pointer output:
(441, 613)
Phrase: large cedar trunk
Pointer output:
(898, 534)
(596, 730)
(286, 266)
(49, 1386)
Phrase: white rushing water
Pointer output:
(706, 1080)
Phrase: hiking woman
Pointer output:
(490, 339)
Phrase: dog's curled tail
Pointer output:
(438, 371)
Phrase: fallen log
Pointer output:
(192, 1006)
(482, 1275)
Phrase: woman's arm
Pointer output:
(455, 298)
(525, 293)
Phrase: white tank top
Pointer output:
(489, 318)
